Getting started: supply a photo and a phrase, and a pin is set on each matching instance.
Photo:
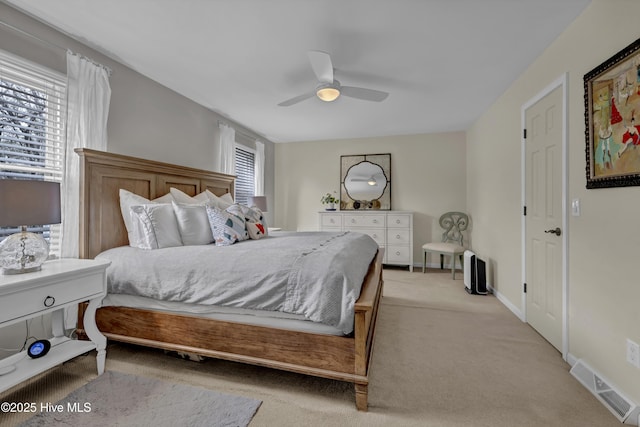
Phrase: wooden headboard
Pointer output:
(102, 175)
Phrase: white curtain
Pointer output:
(259, 169)
(227, 149)
(88, 98)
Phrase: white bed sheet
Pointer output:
(271, 319)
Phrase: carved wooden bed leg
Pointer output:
(362, 396)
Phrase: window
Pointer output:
(32, 134)
(245, 172)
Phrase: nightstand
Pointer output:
(61, 283)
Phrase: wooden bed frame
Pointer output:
(345, 358)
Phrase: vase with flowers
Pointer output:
(330, 200)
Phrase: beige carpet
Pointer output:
(441, 358)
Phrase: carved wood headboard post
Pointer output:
(103, 174)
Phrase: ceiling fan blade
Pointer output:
(322, 66)
(362, 93)
(296, 99)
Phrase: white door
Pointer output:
(543, 219)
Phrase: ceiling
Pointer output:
(443, 62)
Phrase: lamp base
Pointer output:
(9, 271)
(23, 252)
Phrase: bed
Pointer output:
(339, 357)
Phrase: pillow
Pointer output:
(205, 197)
(182, 197)
(193, 224)
(128, 199)
(255, 215)
(155, 226)
(256, 230)
(226, 227)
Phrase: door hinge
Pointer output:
(525, 211)
(525, 288)
(524, 133)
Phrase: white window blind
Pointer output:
(32, 133)
(245, 172)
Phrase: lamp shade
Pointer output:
(27, 202)
(259, 202)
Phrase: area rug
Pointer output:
(116, 399)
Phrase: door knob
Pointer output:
(555, 231)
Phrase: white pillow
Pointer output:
(155, 226)
(182, 197)
(128, 199)
(193, 224)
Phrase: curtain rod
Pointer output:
(51, 44)
(246, 135)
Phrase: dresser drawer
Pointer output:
(398, 221)
(398, 236)
(398, 255)
(331, 220)
(52, 296)
(364, 221)
(375, 234)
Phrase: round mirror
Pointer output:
(365, 181)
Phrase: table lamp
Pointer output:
(259, 202)
(26, 203)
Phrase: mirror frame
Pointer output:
(381, 203)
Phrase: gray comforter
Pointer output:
(315, 274)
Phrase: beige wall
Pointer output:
(428, 176)
(604, 289)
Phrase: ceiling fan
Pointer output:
(329, 89)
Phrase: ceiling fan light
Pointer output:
(328, 93)
(372, 181)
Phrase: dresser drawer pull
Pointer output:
(397, 236)
(374, 235)
(332, 220)
(49, 301)
(375, 221)
(353, 220)
(398, 253)
(397, 221)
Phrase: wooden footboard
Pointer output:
(335, 357)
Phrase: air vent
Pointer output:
(623, 408)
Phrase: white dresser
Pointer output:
(392, 230)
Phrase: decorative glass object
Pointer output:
(23, 252)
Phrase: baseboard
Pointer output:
(507, 303)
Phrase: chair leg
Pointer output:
(453, 266)
(424, 260)
(441, 261)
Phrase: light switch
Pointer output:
(575, 207)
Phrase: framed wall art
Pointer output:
(612, 120)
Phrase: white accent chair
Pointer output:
(454, 223)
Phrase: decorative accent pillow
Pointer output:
(256, 216)
(155, 226)
(226, 227)
(193, 224)
(128, 199)
(256, 230)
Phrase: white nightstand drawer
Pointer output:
(398, 254)
(398, 221)
(364, 221)
(375, 234)
(331, 220)
(398, 237)
(34, 300)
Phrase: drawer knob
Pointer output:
(49, 301)
(331, 220)
(375, 236)
(397, 236)
(398, 253)
(353, 221)
(397, 221)
(375, 221)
